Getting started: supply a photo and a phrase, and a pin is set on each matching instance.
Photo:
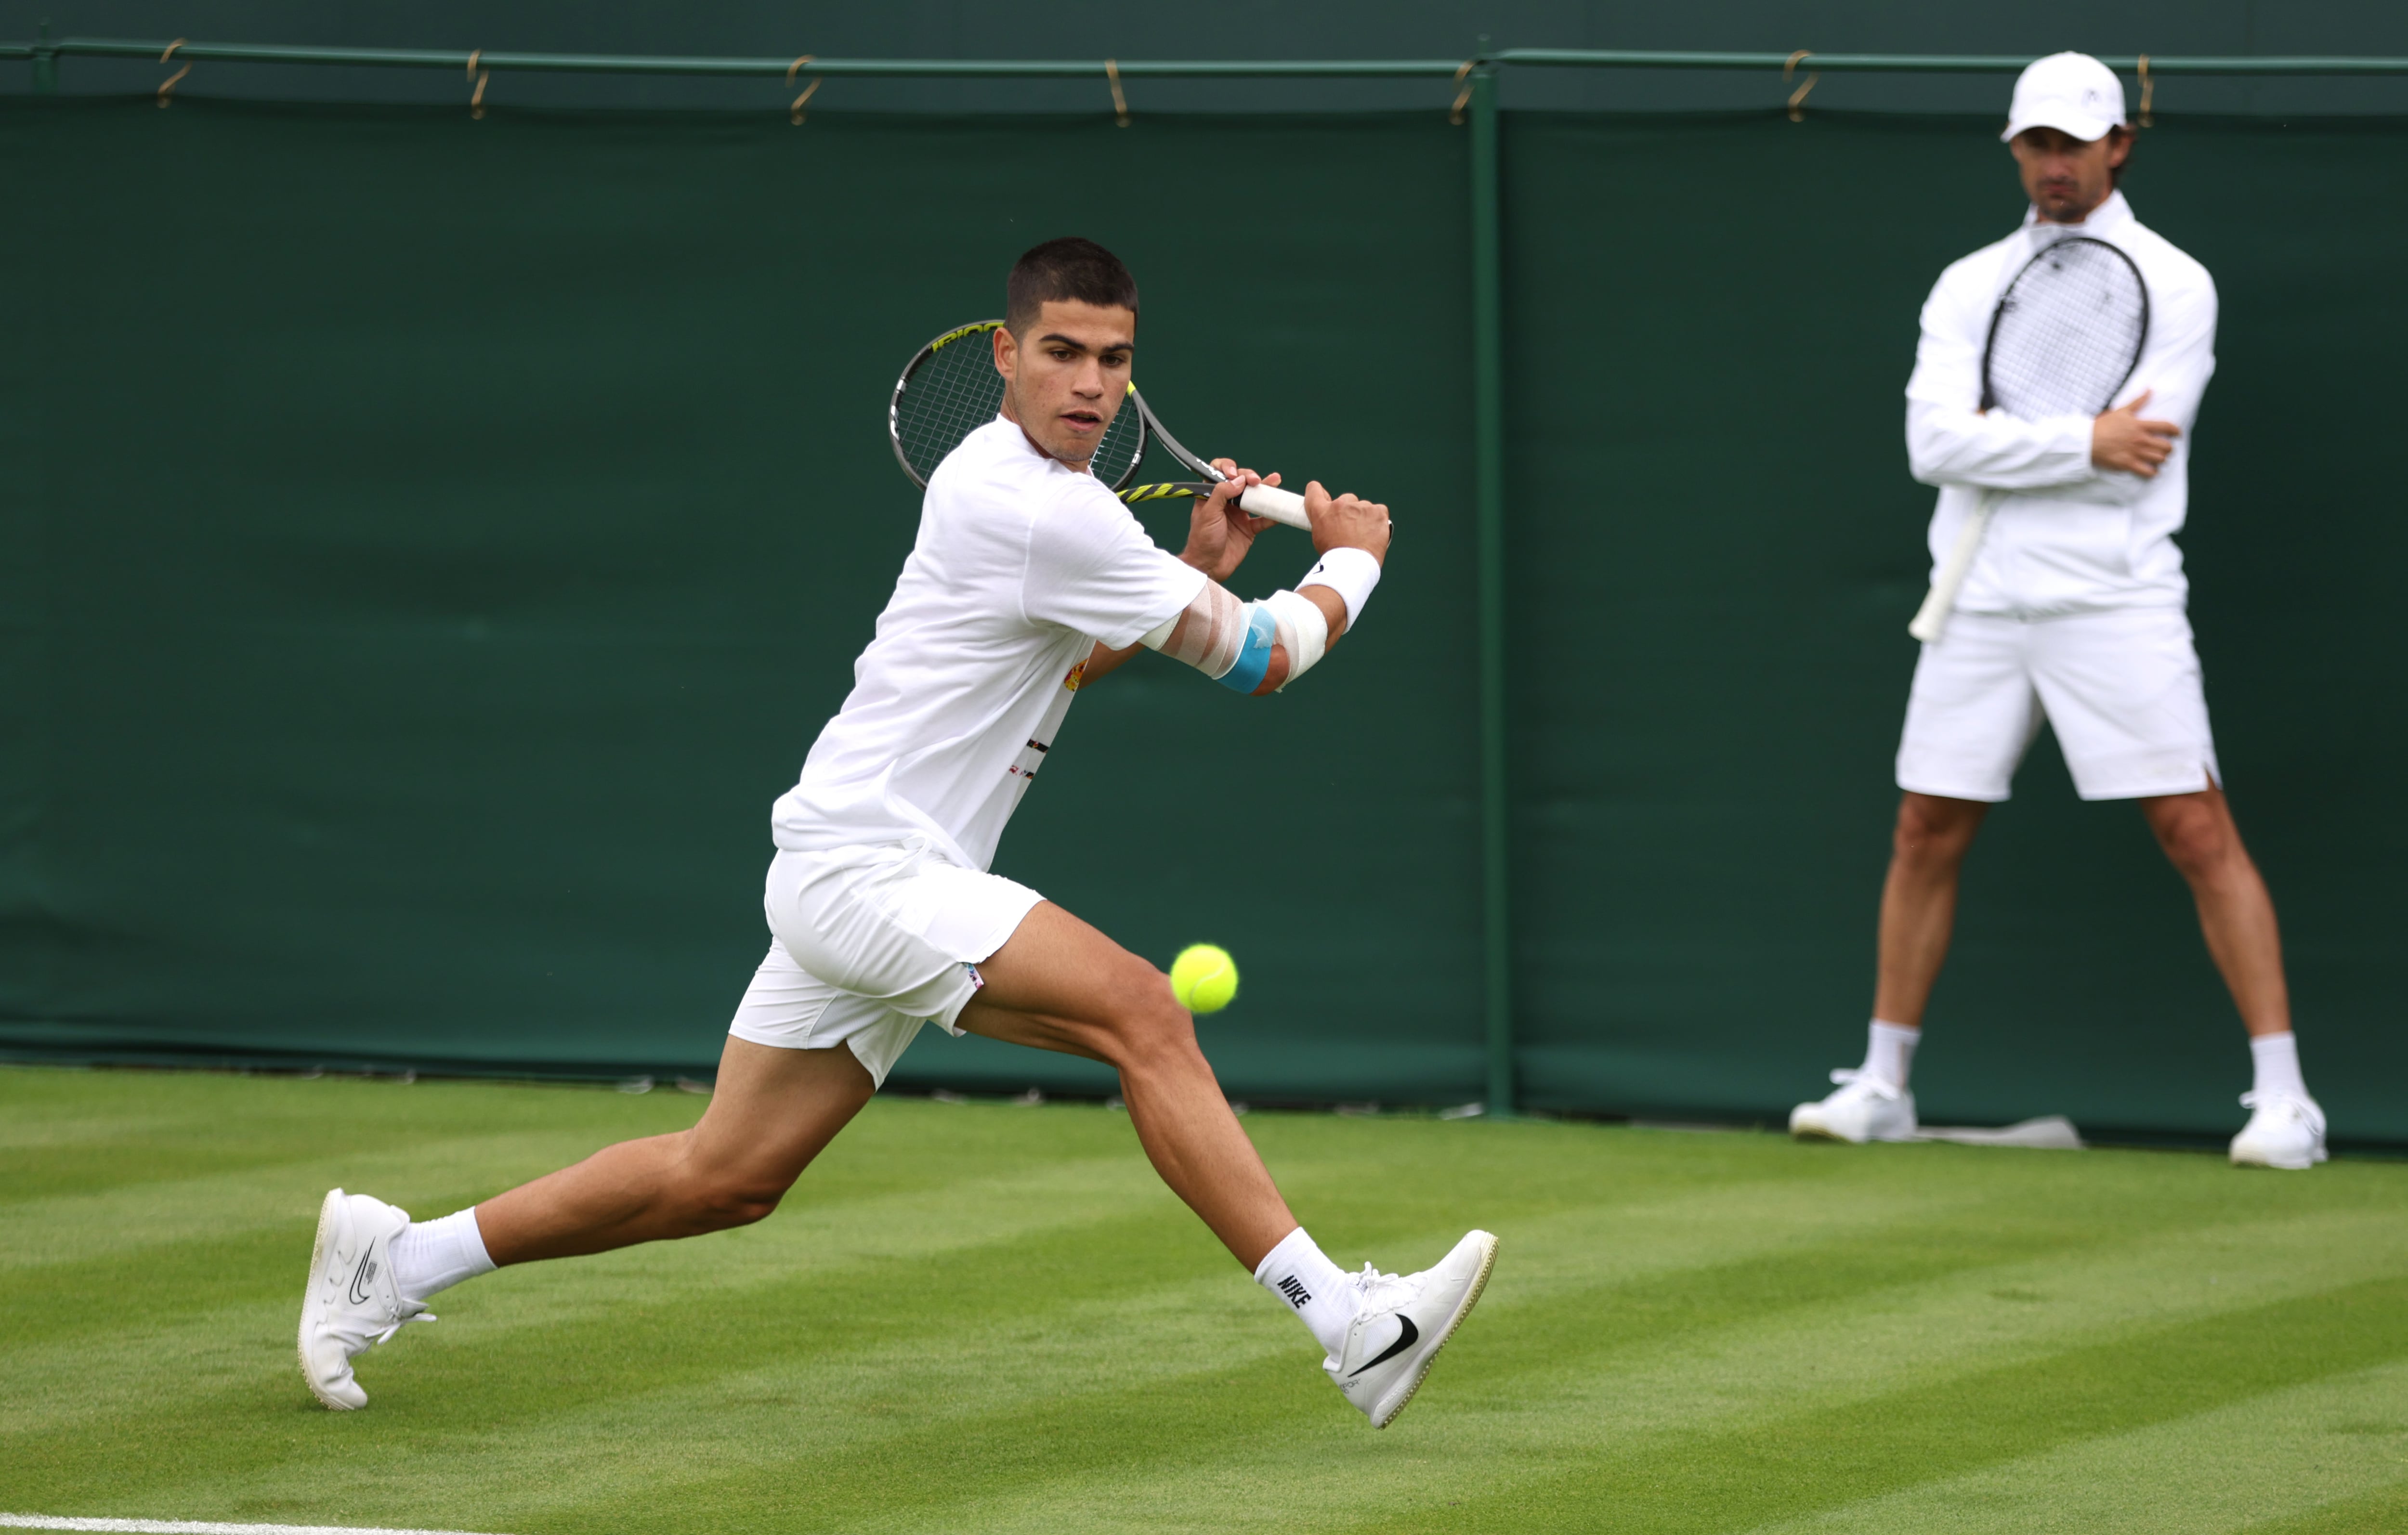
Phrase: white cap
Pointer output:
(2072, 92)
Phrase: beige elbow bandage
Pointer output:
(1206, 634)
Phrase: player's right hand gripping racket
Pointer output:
(951, 389)
(2064, 341)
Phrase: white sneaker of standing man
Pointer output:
(1864, 1108)
(2286, 1130)
(1872, 1102)
(1400, 1323)
(352, 1301)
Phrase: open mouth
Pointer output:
(1083, 421)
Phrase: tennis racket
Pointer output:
(2063, 341)
(951, 389)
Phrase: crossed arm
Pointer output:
(1220, 535)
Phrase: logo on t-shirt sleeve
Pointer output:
(1077, 675)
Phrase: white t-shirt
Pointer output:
(1022, 564)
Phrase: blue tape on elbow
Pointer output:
(1255, 658)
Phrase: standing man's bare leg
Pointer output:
(2235, 912)
(2287, 1127)
(1918, 912)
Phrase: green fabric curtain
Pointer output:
(427, 546)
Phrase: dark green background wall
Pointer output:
(428, 546)
(1231, 29)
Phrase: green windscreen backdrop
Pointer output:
(427, 546)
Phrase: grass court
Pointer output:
(987, 1317)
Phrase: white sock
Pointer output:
(431, 1255)
(1316, 1289)
(2277, 1060)
(1890, 1052)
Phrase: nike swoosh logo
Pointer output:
(1405, 1340)
(360, 1288)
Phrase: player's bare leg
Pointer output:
(1918, 910)
(373, 1268)
(771, 1111)
(2235, 912)
(1919, 913)
(1060, 984)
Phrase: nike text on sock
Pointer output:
(1317, 1290)
(1890, 1052)
(2276, 1057)
(433, 1256)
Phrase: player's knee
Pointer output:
(1932, 831)
(2197, 840)
(719, 1201)
(1148, 1025)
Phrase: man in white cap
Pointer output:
(2073, 614)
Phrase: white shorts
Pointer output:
(869, 942)
(2122, 690)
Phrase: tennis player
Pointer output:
(2073, 614)
(1028, 582)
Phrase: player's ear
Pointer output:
(1007, 349)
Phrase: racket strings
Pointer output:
(2068, 332)
(953, 389)
(952, 392)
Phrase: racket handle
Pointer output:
(1278, 505)
(1931, 620)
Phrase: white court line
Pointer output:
(196, 1527)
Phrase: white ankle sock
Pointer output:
(1890, 1052)
(431, 1255)
(1317, 1290)
(2277, 1060)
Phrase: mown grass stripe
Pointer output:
(2331, 1441)
(195, 1527)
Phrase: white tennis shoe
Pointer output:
(2286, 1130)
(352, 1302)
(1865, 1108)
(1402, 1321)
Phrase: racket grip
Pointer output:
(1278, 505)
(1931, 620)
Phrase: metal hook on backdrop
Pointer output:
(1119, 102)
(1798, 98)
(795, 109)
(1462, 95)
(2148, 91)
(477, 97)
(167, 86)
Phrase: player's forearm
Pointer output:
(1993, 451)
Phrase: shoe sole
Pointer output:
(1462, 1309)
(326, 1211)
(2272, 1166)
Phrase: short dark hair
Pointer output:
(1070, 269)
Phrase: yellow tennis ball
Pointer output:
(1204, 978)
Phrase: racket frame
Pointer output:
(936, 344)
(1262, 500)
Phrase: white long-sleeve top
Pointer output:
(2066, 537)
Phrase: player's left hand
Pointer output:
(1219, 532)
